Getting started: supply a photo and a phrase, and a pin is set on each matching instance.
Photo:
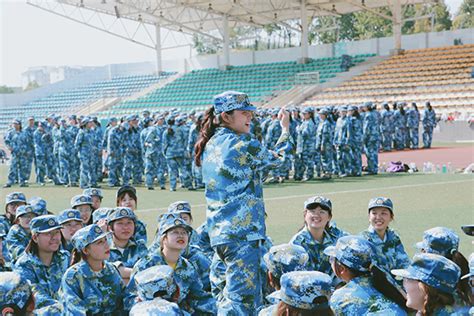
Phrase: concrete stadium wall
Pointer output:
(380, 46)
(453, 131)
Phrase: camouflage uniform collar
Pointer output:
(87, 272)
(375, 237)
(130, 244)
(327, 240)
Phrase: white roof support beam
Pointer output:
(159, 58)
(304, 33)
(226, 46)
(397, 24)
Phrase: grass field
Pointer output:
(421, 201)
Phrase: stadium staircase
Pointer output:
(439, 75)
(80, 99)
(195, 90)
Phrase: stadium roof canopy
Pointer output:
(213, 18)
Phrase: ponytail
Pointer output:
(170, 129)
(463, 288)
(434, 299)
(208, 128)
(311, 116)
(390, 290)
(76, 256)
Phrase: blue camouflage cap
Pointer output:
(307, 109)
(171, 220)
(81, 199)
(93, 192)
(158, 306)
(433, 270)
(368, 104)
(352, 108)
(100, 213)
(314, 201)
(15, 197)
(26, 209)
(342, 109)
(85, 120)
(286, 258)
(323, 111)
(68, 215)
(120, 212)
(14, 290)
(73, 117)
(88, 235)
(232, 100)
(16, 121)
(352, 251)
(146, 112)
(180, 207)
(468, 229)
(131, 117)
(39, 204)
(44, 224)
(439, 240)
(155, 279)
(300, 288)
(112, 119)
(381, 202)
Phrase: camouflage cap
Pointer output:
(180, 207)
(286, 258)
(172, 220)
(14, 290)
(353, 251)
(155, 279)
(314, 201)
(87, 235)
(68, 215)
(300, 288)
(100, 213)
(81, 199)
(119, 213)
(232, 100)
(93, 192)
(15, 197)
(381, 202)
(26, 209)
(439, 240)
(39, 204)
(158, 306)
(44, 224)
(433, 270)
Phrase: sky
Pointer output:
(32, 37)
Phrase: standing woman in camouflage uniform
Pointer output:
(84, 143)
(92, 285)
(306, 146)
(232, 164)
(355, 140)
(324, 143)
(16, 142)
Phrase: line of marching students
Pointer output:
(90, 260)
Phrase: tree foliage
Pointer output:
(6, 90)
(465, 16)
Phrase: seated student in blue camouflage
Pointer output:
(430, 282)
(12, 202)
(83, 203)
(40, 205)
(4, 266)
(16, 297)
(387, 246)
(70, 221)
(445, 242)
(318, 232)
(96, 197)
(365, 291)
(233, 163)
(92, 285)
(174, 236)
(20, 234)
(280, 260)
(43, 263)
(125, 251)
(127, 197)
(302, 293)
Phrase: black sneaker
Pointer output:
(7, 185)
(151, 188)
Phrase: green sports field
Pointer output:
(421, 201)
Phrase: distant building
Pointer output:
(45, 75)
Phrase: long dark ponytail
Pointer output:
(208, 127)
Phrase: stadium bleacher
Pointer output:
(69, 100)
(195, 90)
(441, 75)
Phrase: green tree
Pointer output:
(31, 85)
(441, 17)
(465, 16)
(6, 90)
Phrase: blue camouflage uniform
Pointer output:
(271, 138)
(390, 253)
(105, 139)
(174, 141)
(40, 154)
(232, 165)
(86, 291)
(84, 144)
(14, 291)
(306, 147)
(115, 152)
(429, 123)
(132, 164)
(16, 142)
(413, 122)
(371, 130)
(68, 215)
(6, 224)
(318, 261)
(358, 296)
(196, 170)
(437, 272)
(341, 140)
(65, 150)
(386, 129)
(192, 297)
(152, 148)
(45, 280)
(50, 158)
(399, 124)
(355, 142)
(18, 237)
(324, 143)
(29, 131)
(73, 130)
(134, 250)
